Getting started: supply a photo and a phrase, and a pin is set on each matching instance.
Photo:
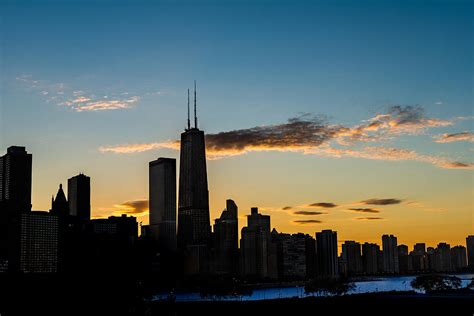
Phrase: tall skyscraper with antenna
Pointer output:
(194, 227)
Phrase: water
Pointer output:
(381, 284)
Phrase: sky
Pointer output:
(355, 116)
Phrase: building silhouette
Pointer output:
(38, 242)
(370, 258)
(15, 180)
(15, 199)
(405, 264)
(79, 197)
(254, 245)
(419, 258)
(162, 203)
(60, 205)
(390, 254)
(194, 229)
(226, 240)
(458, 258)
(292, 256)
(352, 257)
(326, 253)
(442, 258)
(470, 251)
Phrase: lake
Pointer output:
(377, 284)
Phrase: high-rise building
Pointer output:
(419, 258)
(351, 255)
(310, 257)
(442, 258)
(79, 197)
(370, 255)
(60, 205)
(38, 242)
(390, 254)
(226, 239)
(162, 199)
(404, 260)
(15, 199)
(15, 180)
(293, 256)
(326, 253)
(194, 228)
(254, 245)
(470, 251)
(458, 258)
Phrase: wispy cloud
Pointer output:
(77, 100)
(322, 204)
(308, 213)
(138, 148)
(456, 137)
(312, 135)
(133, 206)
(391, 154)
(364, 210)
(286, 208)
(307, 221)
(390, 201)
(369, 218)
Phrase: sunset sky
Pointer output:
(355, 116)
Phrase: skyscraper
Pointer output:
(470, 251)
(390, 254)
(351, 253)
(79, 197)
(405, 263)
(194, 228)
(326, 253)
(370, 254)
(15, 180)
(458, 258)
(38, 242)
(226, 236)
(15, 199)
(59, 205)
(442, 258)
(162, 198)
(254, 245)
(293, 256)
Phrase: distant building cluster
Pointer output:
(179, 240)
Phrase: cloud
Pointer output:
(138, 148)
(397, 120)
(312, 135)
(77, 100)
(133, 206)
(390, 201)
(391, 154)
(286, 208)
(323, 205)
(307, 221)
(102, 105)
(368, 218)
(297, 134)
(364, 210)
(308, 213)
(456, 137)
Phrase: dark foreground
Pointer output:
(116, 296)
(362, 304)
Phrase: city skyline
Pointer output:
(385, 149)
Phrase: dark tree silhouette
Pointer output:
(436, 282)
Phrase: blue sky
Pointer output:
(257, 63)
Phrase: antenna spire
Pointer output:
(195, 117)
(189, 121)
